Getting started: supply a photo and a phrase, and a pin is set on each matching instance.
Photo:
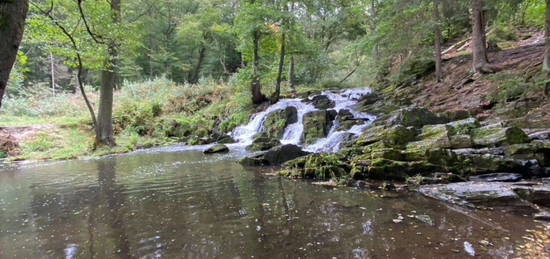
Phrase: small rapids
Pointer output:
(294, 133)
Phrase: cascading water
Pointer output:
(344, 100)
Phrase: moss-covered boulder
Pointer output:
(219, 148)
(318, 166)
(371, 135)
(399, 135)
(317, 124)
(322, 102)
(387, 169)
(496, 135)
(274, 156)
(263, 142)
(414, 117)
(276, 122)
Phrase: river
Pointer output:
(178, 203)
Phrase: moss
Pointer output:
(495, 135)
(399, 135)
(318, 166)
(317, 125)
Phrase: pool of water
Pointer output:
(175, 203)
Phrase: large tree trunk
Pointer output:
(480, 62)
(12, 25)
(196, 72)
(546, 64)
(109, 80)
(256, 86)
(277, 94)
(438, 60)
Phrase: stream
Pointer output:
(179, 203)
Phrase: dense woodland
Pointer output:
(251, 50)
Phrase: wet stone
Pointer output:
(497, 177)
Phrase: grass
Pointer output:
(147, 114)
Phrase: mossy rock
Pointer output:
(432, 137)
(219, 148)
(386, 169)
(496, 135)
(317, 125)
(399, 135)
(415, 117)
(322, 102)
(263, 142)
(276, 122)
(371, 135)
(318, 166)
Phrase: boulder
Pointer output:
(496, 135)
(276, 122)
(274, 156)
(225, 139)
(497, 177)
(415, 117)
(536, 194)
(263, 142)
(477, 194)
(317, 124)
(322, 102)
(219, 148)
(371, 135)
(317, 166)
(399, 135)
(370, 99)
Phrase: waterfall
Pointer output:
(343, 100)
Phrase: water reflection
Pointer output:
(187, 205)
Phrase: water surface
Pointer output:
(183, 204)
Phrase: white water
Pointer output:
(343, 100)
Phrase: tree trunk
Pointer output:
(438, 60)
(255, 86)
(546, 64)
(196, 72)
(12, 25)
(277, 94)
(292, 74)
(109, 80)
(52, 72)
(480, 62)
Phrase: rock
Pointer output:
(317, 124)
(540, 135)
(497, 177)
(537, 194)
(370, 99)
(432, 136)
(317, 166)
(496, 135)
(263, 142)
(543, 215)
(277, 121)
(344, 115)
(275, 156)
(415, 117)
(322, 102)
(219, 148)
(399, 135)
(477, 194)
(225, 139)
(459, 114)
(371, 135)
(534, 150)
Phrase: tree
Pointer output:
(12, 25)
(109, 81)
(437, 28)
(480, 61)
(546, 65)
